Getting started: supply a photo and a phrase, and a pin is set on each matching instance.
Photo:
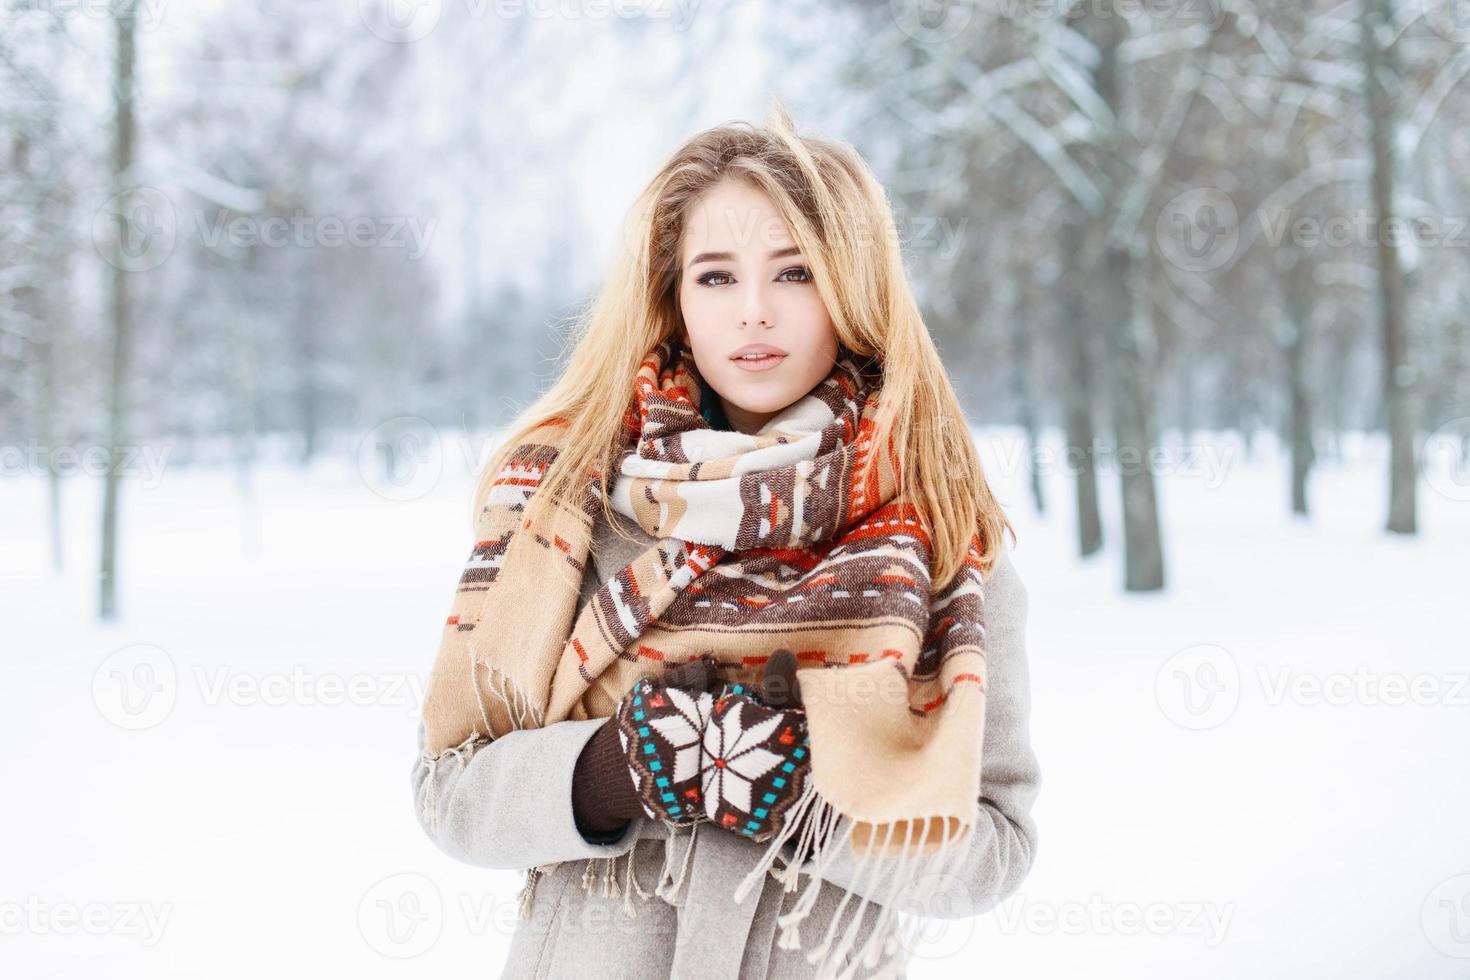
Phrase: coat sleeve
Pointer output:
(506, 803)
(1003, 845)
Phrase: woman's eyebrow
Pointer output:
(779, 253)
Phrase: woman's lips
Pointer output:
(759, 364)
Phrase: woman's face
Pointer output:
(742, 282)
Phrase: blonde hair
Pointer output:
(839, 216)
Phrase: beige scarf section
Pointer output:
(790, 537)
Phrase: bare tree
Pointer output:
(125, 22)
(1376, 33)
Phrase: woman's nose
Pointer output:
(757, 309)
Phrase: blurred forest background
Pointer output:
(236, 232)
(274, 276)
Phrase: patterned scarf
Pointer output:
(791, 537)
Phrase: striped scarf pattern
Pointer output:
(794, 536)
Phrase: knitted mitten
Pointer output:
(644, 760)
(755, 763)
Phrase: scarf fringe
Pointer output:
(600, 876)
(429, 812)
(886, 943)
(668, 886)
(519, 707)
(889, 939)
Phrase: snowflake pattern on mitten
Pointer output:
(755, 763)
(660, 729)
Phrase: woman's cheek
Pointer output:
(807, 312)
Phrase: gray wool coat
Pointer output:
(509, 806)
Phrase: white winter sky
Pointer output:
(593, 111)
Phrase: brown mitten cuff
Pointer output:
(603, 796)
(644, 761)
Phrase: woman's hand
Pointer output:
(644, 761)
(756, 757)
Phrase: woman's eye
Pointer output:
(800, 270)
(705, 279)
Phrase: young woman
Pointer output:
(737, 621)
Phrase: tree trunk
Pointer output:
(1398, 380)
(1015, 287)
(1143, 558)
(1297, 330)
(308, 372)
(1078, 393)
(117, 420)
(1123, 311)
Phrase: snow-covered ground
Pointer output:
(1263, 771)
